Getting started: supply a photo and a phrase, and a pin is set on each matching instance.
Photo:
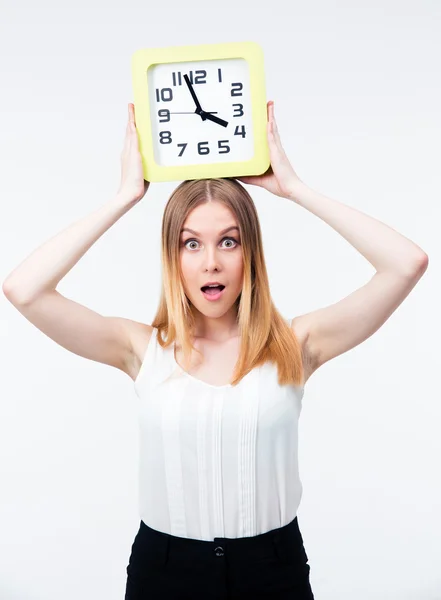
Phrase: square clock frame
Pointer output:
(201, 111)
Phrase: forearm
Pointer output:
(382, 246)
(50, 262)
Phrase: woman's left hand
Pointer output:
(280, 179)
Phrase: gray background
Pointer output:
(356, 87)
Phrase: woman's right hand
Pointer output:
(133, 186)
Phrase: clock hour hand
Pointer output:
(198, 110)
(215, 119)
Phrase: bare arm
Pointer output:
(47, 265)
(31, 287)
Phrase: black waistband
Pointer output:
(286, 540)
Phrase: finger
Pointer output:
(127, 140)
(131, 127)
(270, 110)
(249, 180)
(275, 130)
(134, 143)
(271, 120)
(127, 137)
(132, 114)
(129, 117)
(244, 179)
(126, 144)
(271, 134)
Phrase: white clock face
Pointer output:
(180, 135)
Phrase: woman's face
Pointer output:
(209, 253)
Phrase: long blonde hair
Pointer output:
(264, 333)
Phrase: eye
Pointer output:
(187, 242)
(225, 238)
(231, 240)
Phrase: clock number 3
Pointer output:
(240, 109)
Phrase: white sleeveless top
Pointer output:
(215, 461)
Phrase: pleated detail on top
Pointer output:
(215, 461)
(246, 457)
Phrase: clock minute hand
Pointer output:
(204, 115)
(198, 110)
(215, 119)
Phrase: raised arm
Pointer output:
(31, 287)
(399, 262)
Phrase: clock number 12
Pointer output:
(199, 77)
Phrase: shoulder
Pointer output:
(139, 335)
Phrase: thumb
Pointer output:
(250, 180)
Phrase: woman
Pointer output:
(221, 373)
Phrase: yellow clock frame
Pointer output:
(141, 61)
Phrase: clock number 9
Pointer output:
(164, 113)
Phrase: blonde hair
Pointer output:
(264, 333)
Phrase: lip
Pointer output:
(213, 297)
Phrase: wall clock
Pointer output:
(201, 111)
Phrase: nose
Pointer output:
(211, 259)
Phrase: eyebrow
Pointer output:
(220, 233)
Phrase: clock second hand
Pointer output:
(204, 112)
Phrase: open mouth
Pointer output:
(212, 293)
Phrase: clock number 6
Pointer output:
(202, 149)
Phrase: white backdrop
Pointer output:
(357, 95)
